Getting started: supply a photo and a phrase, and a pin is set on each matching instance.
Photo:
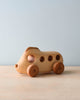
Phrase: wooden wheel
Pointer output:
(58, 67)
(32, 70)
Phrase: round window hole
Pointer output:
(50, 58)
(41, 59)
(57, 57)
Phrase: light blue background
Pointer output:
(47, 24)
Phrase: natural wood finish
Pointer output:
(32, 70)
(58, 68)
(43, 60)
(15, 86)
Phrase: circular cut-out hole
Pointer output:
(57, 57)
(31, 58)
(50, 58)
(41, 59)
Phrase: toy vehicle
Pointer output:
(34, 61)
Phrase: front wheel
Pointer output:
(58, 68)
(32, 70)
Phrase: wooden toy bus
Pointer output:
(34, 61)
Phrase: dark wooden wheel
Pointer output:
(58, 67)
(32, 70)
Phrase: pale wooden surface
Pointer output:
(15, 86)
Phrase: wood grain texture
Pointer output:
(15, 86)
(44, 60)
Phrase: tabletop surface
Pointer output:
(15, 86)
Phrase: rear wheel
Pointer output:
(32, 70)
(58, 67)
